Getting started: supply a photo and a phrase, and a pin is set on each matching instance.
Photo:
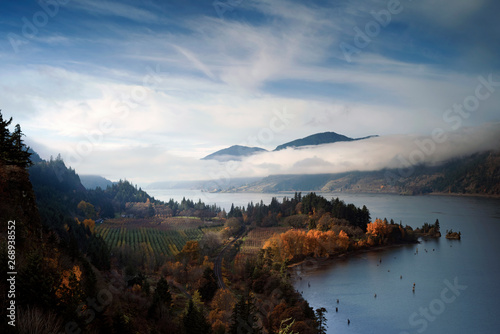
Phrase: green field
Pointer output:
(152, 242)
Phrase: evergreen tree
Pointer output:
(321, 320)
(244, 319)
(208, 289)
(12, 149)
(194, 321)
(161, 298)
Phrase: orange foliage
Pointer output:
(377, 228)
(67, 280)
(299, 242)
(90, 223)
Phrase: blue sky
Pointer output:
(143, 90)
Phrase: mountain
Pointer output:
(478, 174)
(234, 152)
(318, 139)
(94, 181)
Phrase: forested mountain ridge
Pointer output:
(478, 174)
(233, 152)
(315, 139)
(95, 181)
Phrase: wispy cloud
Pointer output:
(216, 82)
(112, 8)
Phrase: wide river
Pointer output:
(457, 283)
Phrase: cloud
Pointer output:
(391, 151)
(113, 8)
(179, 82)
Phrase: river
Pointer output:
(457, 287)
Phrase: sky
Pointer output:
(144, 90)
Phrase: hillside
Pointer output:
(94, 181)
(478, 174)
(315, 139)
(234, 152)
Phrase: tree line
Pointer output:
(13, 151)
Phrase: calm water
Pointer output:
(457, 286)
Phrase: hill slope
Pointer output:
(94, 181)
(234, 152)
(478, 174)
(315, 139)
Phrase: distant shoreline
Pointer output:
(364, 193)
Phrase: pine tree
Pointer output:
(210, 286)
(194, 321)
(321, 320)
(161, 298)
(244, 319)
(12, 149)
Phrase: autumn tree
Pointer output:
(222, 307)
(190, 252)
(87, 209)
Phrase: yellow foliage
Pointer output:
(65, 281)
(377, 228)
(90, 223)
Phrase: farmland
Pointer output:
(151, 242)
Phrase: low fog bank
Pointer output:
(394, 151)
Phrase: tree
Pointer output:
(244, 318)
(321, 319)
(210, 242)
(190, 252)
(161, 298)
(210, 286)
(87, 209)
(12, 149)
(287, 329)
(194, 321)
(222, 307)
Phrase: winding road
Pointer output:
(218, 263)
